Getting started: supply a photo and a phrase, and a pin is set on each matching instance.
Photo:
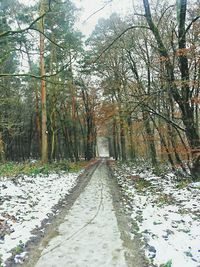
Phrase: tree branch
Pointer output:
(166, 119)
(48, 38)
(162, 15)
(10, 75)
(117, 38)
(10, 32)
(95, 12)
(189, 26)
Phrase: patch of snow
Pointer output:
(26, 202)
(19, 258)
(168, 217)
(195, 185)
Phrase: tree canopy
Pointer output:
(135, 80)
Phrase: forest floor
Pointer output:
(165, 213)
(119, 216)
(89, 224)
(93, 231)
(27, 204)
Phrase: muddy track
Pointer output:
(133, 247)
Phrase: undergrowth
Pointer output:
(1, 265)
(19, 248)
(9, 169)
(142, 165)
(183, 183)
(167, 264)
(142, 184)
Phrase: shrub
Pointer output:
(141, 184)
(168, 264)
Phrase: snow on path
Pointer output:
(89, 236)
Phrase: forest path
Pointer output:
(93, 232)
(89, 236)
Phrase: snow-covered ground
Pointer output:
(24, 203)
(167, 214)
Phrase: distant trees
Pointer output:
(41, 121)
(139, 79)
(89, 102)
(9, 91)
(149, 69)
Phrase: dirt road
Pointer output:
(93, 232)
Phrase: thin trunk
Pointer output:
(170, 159)
(2, 149)
(122, 140)
(53, 63)
(150, 138)
(44, 153)
(37, 121)
(114, 139)
(34, 88)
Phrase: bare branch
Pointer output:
(162, 15)
(48, 38)
(10, 75)
(101, 8)
(140, 15)
(117, 38)
(189, 26)
(30, 27)
(164, 118)
(10, 32)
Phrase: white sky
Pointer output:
(88, 7)
(122, 7)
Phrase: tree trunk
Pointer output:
(2, 149)
(150, 138)
(114, 133)
(162, 139)
(44, 150)
(122, 140)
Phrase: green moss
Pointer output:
(160, 170)
(142, 184)
(183, 183)
(18, 249)
(135, 228)
(76, 166)
(157, 223)
(183, 211)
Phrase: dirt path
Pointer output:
(93, 232)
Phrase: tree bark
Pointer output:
(44, 150)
